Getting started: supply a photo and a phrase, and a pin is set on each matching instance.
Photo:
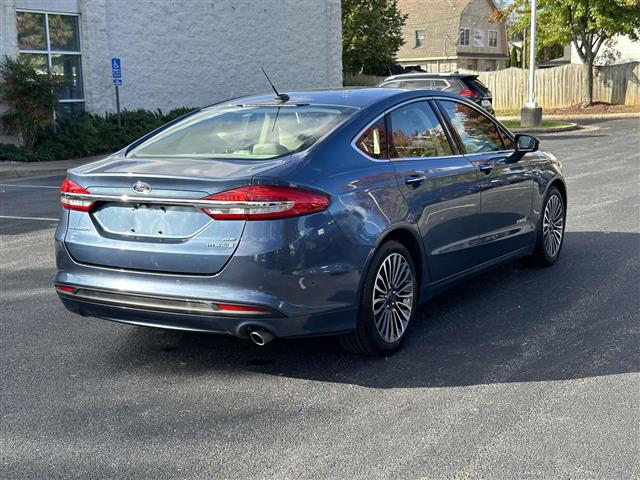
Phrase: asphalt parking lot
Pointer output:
(520, 373)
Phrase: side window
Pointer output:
(476, 131)
(373, 141)
(416, 133)
(417, 84)
(440, 84)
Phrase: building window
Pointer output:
(493, 38)
(478, 37)
(463, 36)
(52, 42)
(419, 38)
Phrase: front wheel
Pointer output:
(389, 301)
(550, 233)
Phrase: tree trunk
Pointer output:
(588, 101)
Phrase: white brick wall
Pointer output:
(177, 53)
(192, 53)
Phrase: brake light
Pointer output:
(262, 202)
(74, 203)
(467, 92)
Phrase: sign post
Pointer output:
(531, 113)
(116, 79)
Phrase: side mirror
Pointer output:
(526, 143)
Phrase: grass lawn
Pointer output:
(545, 123)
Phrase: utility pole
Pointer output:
(531, 113)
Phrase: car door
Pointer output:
(506, 181)
(439, 184)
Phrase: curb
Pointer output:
(578, 117)
(41, 169)
(564, 128)
(18, 172)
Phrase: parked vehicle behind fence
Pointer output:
(465, 85)
(332, 212)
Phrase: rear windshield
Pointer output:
(253, 132)
(475, 84)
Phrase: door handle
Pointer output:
(486, 167)
(414, 180)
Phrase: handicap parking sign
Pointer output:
(116, 71)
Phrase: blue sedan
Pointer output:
(312, 213)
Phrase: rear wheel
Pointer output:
(550, 234)
(389, 301)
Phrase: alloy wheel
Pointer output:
(393, 297)
(553, 225)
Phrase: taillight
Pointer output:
(260, 202)
(74, 203)
(467, 92)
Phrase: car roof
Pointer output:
(375, 98)
(423, 75)
(348, 97)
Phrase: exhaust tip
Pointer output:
(260, 337)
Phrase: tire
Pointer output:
(550, 231)
(381, 332)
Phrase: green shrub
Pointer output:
(90, 134)
(29, 98)
(16, 154)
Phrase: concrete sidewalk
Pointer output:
(39, 169)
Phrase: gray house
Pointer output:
(447, 35)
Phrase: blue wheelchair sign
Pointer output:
(116, 71)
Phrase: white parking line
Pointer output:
(26, 186)
(44, 219)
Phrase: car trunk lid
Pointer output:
(146, 214)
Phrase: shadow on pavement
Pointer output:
(576, 319)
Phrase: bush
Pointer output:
(29, 98)
(89, 134)
(16, 154)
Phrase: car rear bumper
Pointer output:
(239, 326)
(303, 271)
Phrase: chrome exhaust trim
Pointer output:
(260, 337)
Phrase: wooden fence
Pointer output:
(564, 86)
(556, 87)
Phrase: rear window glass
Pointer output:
(476, 85)
(252, 132)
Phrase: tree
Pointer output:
(29, 98)
(586, 23)
(371, 35)
(513, 59)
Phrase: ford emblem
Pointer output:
(141, 187)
